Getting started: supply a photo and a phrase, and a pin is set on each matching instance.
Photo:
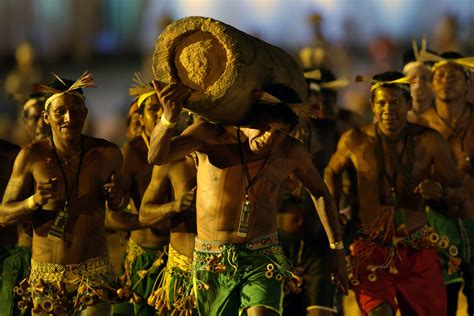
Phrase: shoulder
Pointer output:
(101, 146)
(134, 145)
(427, 135)
(358, 135)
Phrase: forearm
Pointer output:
(153, 214)
(334, 184)
(160, 144)
(329, 216)
(14, 212)
(122, 221)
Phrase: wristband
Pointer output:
(30, 203)
(336, 245)
(166, 123)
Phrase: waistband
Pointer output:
(176, 259)
(218, 246)
(96, 265)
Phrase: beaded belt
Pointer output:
(218, 246)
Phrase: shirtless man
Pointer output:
(145, 247)
(14, 262)
(175, 179)
(64, 183)
(453, 117)
(238, 265)
(393, 262)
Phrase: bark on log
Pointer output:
(223, 65)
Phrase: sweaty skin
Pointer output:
(137, 174)
(8, 152)
(36, 174)
(357, 146)
(176, 179)
(453, 117)
(221, 181)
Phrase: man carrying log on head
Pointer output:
(238, 264)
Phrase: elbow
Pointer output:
(154, 159)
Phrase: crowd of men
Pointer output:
(280, 214)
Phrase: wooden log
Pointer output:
(223, 66)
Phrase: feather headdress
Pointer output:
(403, 82)
(84, 81)
(140, 89)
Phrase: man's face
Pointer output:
(266, 136)
(66, 116)
(420, 87)
(390, 109)
(449, 82)
(34, 123)
(135, 126)
(151, 114)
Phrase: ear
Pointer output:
(45, 116)
(142, 123)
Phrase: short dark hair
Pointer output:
(390, 76)
(271, 112)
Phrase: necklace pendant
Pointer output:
(244, 219)
(392, 198)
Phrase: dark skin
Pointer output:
(179, 179)
(8, 153)
(453, 117)
(36, 179)
(137, 174)
(357, 147)
(220, 190)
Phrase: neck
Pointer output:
(392, 135)
(451, 110)
(67, 148)
(420, 106)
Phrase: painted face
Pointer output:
(266, 136)
(420, 88)
(34, 123)
(135, 126)
(390, 109)
(449, 82)
(66, 116)
(151, 113)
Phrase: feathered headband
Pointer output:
(418, 62)
(84, 81)
(402, 83)
(140, 89)
(315, 75)
(466, 63)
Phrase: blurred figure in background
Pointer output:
(420, 84)
(453, 117)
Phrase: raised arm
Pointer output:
(155, 207)
(163, 147)
(20, 198)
